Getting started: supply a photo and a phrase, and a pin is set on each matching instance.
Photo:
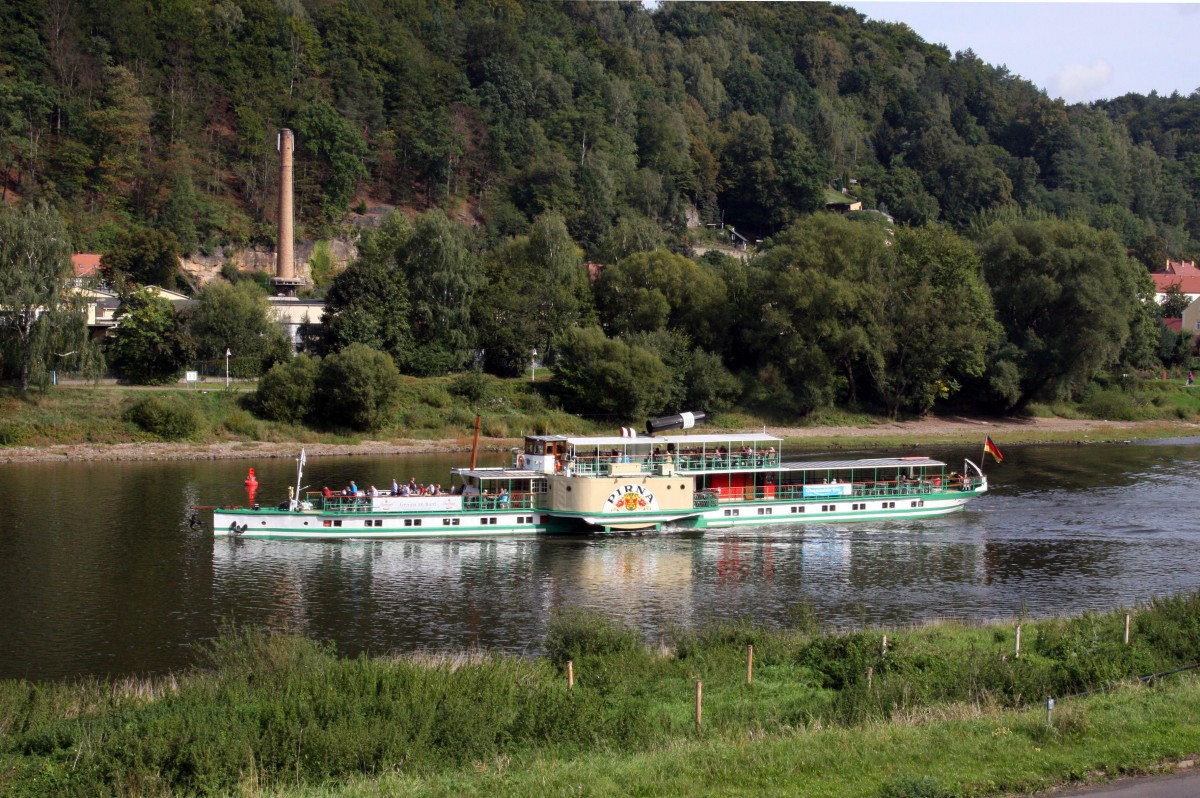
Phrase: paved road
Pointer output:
(1177, 785)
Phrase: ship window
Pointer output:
(337, 523)
(764, 511)
(326, 523)
(797, 509)
(408, 522)
(445, 522)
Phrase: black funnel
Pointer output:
(680, 421)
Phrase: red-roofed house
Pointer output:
(1182, 268)
(1188, 284)
(87, 266)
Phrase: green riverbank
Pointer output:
(940, 710)
(95, 422)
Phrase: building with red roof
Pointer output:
(1184, 274)
(87, 265)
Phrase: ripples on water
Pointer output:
(104, 574)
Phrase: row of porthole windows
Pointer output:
(827, 508)
(411, 522)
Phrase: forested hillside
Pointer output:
(525, 138)
(164, 114)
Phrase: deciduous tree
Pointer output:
(148, 346)
(237, 318)
(42, 322)
(1066, 295)
(937, 324)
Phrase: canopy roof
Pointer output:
(658, 440)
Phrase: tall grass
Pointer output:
(275, 710)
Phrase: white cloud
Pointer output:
(1082, 82)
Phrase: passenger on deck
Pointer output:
(373, 491)
(503, 499)
(326, 492)
(395, 487)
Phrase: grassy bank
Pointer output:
(943, 710)
(444, 409)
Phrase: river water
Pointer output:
(102, 573)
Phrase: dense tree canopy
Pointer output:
(1067, 297)
(525, 146)
(236, 318)
(149, 345)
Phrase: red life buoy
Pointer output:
(520, 461)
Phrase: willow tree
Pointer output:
(43, 325)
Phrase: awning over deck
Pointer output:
(864, 465)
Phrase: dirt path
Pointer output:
(924, 430)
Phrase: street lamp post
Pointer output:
(226, 367)
(533, 366)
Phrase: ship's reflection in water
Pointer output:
(501, 593)
(128, 585)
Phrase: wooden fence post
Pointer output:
(883, 648)
(699, 703)
(750, 663)
(1017, 652)
(1126, 628)
(571, 676)
(870, 676)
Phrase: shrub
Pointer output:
(1109, 404)
(358, 387)
(12, 434)
(287, 392)
(573, 634)
(169, 417)
(242, 424)
(474, 386)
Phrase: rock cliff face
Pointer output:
(200, 269)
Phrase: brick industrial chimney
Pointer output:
(285, 280)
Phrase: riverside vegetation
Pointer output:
(444, 408)
(940, 710)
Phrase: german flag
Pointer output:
(992, 449)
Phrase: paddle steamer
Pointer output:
(569, 484)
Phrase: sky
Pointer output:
(1078, 51)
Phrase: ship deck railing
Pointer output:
(858, 490)
(651, 464)
(472, 503)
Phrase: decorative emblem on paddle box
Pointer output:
(630, 499)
